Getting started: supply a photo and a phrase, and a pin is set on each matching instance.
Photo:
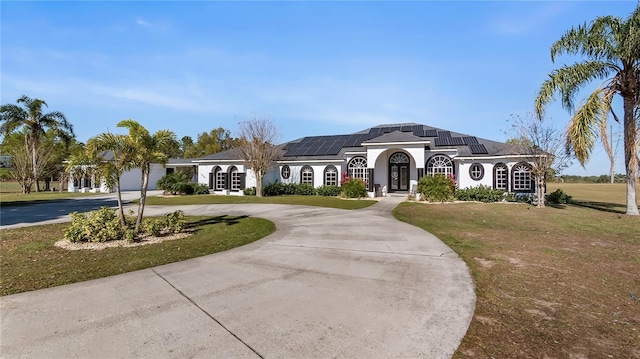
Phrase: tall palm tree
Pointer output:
(35, 122)
(148, 149)
(611, 46)
(123, 152)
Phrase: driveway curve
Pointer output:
(328, 283)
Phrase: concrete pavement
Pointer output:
(328, 283)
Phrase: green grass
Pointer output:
(552, 282)
(29, 260)
(11, 194)
(319, 201)
(604, 196)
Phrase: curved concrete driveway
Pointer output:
(328, 283)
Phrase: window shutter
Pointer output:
(226, 181)
(242, 180)
(210, 180)
(370, 184)
(420, 173)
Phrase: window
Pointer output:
(500, 176)
(358, 168)
(330, 176)
(476, 171)
(285, 172)
(521, 177)
(440, 165)
(399, 157)
(235, 178)
(220, 177)
(306, 175)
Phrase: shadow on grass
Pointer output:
(228, 220)
(600, 206)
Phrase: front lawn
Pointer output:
(29, 260)
(551, 283)
(319, 201)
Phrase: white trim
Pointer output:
(397, 143)
(355, 153)
(496, 157)
(216, 161)
(310, 161)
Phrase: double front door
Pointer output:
(399, 176)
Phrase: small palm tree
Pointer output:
(111, 170)
(35, 122)
(611, 46)
(148, 149)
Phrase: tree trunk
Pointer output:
(143, 195)
(612, 172)
(34, 162)
(540, 190)
(120, 209)
(630, 156)
(258, 184)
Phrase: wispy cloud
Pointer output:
(142, 22)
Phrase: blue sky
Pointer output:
(314, 68)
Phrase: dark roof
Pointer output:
(329, 147)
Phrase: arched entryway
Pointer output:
(399, 174)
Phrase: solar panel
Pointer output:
(431, 133)
(444, 134)
(395, 128)
(441, 141)
(406, 129)
(456, 141)
(418, 132)
(477, 149)
(469, 140)
(386, 129)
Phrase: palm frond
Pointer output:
(567, 81)
(594, 40)
(585, 126)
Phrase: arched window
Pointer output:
(306, 175)
(285, 172)
(440, 165)
(330, 176)
(221, 178)
(399, 157)
(521, 177)
(234, 175)
(476, 171)
(500, 176)
(358, 168)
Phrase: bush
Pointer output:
(290, 188)
(305, 189)
(176, 221)
(249, 191)
(200, 188)
(328, 191)
(96, 226)
(354, 188)
(273, 189)
(481, 193)
(558, 197)
(437, 188)
(154, 226)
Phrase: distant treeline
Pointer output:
(618, 178)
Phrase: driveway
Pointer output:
(328, 283)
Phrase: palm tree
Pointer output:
(111, 170)
(35, 122)
(148, 149)
(611, 46)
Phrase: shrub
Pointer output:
(481, 193)
(96, 226)
(558, 197)
(328, 191)
(249, 191)
(154, 226)
(437, 188)
(290, 188)
(305, 189)
(176, 221)
(273, 189)
(354, 188)
(200, 188)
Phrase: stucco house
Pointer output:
(389, 158)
